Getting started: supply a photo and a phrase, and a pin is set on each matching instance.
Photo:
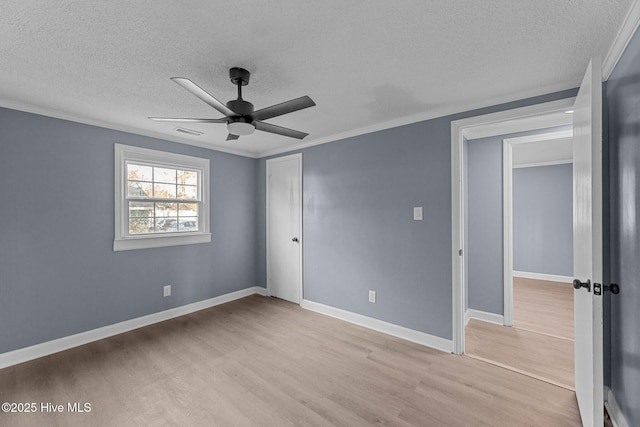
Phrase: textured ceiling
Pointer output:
(364, 62)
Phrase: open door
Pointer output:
(587, 246)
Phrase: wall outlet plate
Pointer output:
(166, 290)
(372, 296)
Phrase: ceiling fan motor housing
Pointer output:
(240, 107)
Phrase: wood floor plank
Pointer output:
(541, 355)
(543, 306)
(265, 362)
(540, 343)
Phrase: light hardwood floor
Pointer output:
(540, 343)
(265, 362)
(544, 307)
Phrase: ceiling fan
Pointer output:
(238, 114)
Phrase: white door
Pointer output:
(587, 245)
(284, 227)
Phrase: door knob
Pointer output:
(613, 288)
(295, 239)
(577, 284)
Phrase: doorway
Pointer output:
(541, 165)
(284, 227)
(527, 196)
(587, 229)
(523, 119)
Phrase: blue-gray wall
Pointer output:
(543, 219)
(484, 231)
(359, 234)
(484, 234)
(60, 275)
(58, 272)
(622, 104)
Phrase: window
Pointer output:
(161, 199)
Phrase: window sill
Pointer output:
(146, 242)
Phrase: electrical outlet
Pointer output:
(372, 296)
(166, 290)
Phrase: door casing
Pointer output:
(503, 122)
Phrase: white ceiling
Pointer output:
(364, 62)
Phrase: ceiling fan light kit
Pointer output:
(239, 115)
(240, 128)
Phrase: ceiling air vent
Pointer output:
(189, 131)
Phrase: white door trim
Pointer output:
(459, 130)
(298, 157)
(507, 209)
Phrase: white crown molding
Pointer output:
(50, 347)
(422, 338)
(420, 117)
(42, 111)
(402, 121)
(542, 276)
(622, 39)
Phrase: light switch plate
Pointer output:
(417, 213)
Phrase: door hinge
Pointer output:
(460, 252)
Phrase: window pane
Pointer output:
(166, 225)
(164, 175)
(139, 189)
(187, 192)
(188, 224)
(188, 209)
(187, 177)
(164, 191)
(139, 173)
(140, 225)
(140, 209)
(166, 209)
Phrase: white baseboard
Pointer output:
(484, 316)
(467, 317)
(543, 276)
(617, 417)
(422, 338)
(46, 348)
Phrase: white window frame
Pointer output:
(123, 240)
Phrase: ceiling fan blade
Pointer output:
(268, 127)
(187, 120)
(200, 93)
(283, 108)
(232, 137)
